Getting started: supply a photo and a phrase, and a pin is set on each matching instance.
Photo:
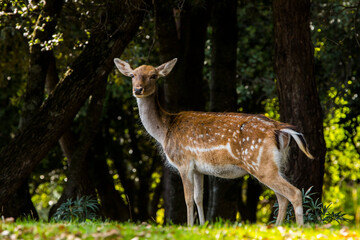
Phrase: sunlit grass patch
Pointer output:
(132, 231)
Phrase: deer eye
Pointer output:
(131, 75)
(154, 76)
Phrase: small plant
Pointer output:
(314, 211)
(81, 209)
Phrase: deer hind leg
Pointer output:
(198, 192)
(284, 188)
(283, 203)
(187, 178)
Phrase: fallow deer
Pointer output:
(226, 145)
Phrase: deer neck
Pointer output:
(153, 117)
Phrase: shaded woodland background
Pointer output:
(69, 125)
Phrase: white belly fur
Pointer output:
(223, 171)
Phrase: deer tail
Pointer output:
(299, 139)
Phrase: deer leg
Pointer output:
(188, 183)
(283, 203)
(198, 192)
(283, 187)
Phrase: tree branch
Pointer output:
(30, 145)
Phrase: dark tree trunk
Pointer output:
(298, 96)
(79, 183)
(181, 33)
(154, 203)
(223, 195)
(67, 141)
(248, 207)
(183, 88)
(112, 205)
(39, 60)
(21, 155)
(140, 198)
(223, 56)
(20, 204)
(173, 194)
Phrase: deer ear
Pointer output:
(123, 67)
(165, 69)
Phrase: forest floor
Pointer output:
(132, 231)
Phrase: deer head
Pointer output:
(144, 77)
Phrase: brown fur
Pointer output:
(226, 145)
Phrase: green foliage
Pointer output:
(342, 137)
(46, 189)
(79, 210)
(314, 211)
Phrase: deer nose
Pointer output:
(138, 90)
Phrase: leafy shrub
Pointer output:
(80, 210)
(314, 211)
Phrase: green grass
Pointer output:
(131, 231)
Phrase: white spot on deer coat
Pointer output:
(256, 167)
(258, 159)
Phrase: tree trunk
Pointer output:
(112, 205)
(20, 204)
(181, 33)
(79, 183)
(223, 95)
(222, 193)
(298, 96)
(67, 140)
(248, 207)
(39, 60)
(21, 155)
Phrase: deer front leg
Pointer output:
(187, 178)
(199, 189)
